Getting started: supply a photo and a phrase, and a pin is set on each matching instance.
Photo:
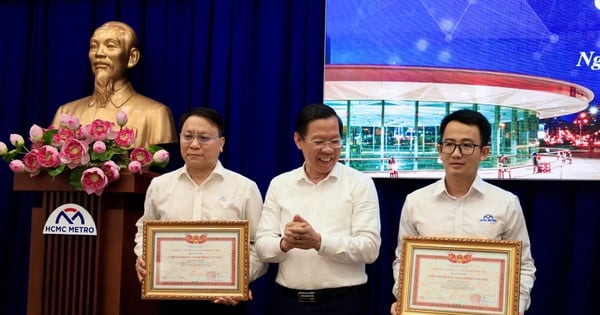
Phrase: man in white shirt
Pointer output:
(461, 204)
(202, 190)
(320, 223)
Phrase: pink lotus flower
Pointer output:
(74, 153)
(111, 169)
(3, 149)
(31, 163)
(161, 156)
(135, 167)
(125, 137)
(81, 133)
(48, 156)
(63, 135)
(93, 154)
(17, 166)
(122, 119)
(93, 181)
(16, 140)
(141, 155)
(99, 147)
(69, 122)
(36, 133)
(99, 129)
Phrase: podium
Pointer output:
(73, 274)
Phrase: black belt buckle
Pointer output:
(306, 296)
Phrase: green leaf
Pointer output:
(113, 153)
(105, 156)
(48, 135)
(12, 154)
(154, 148)
(57, 170)
(75, 177)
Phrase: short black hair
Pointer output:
(205, 112)
(469, 117)
(312, 112)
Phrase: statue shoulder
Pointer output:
(148, 106)
(76, 107)
(149, 103)
(153, 120)
(84, 101)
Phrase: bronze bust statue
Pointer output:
(113, 51)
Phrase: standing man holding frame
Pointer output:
(202, 190)
(320, 223)
(461, 204)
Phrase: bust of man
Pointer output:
(113, 51)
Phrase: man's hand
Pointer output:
(229, 301)
(300, 234)
(140, 268)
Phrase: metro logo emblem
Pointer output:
(76, 215)
(70, 219)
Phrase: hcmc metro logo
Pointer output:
(70, 219)
(589, 60)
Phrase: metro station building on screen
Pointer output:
(395, 111)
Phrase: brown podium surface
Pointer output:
(127, 183)
(75, 274)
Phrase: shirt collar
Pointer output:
(477, 185)
(299, 173)
(219, 170)
(120, 96)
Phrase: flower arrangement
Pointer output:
(93, 154)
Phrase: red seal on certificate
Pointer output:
(196, 239)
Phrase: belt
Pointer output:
(312, 296)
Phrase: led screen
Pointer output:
(395, 68)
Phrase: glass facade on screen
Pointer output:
(375, 131)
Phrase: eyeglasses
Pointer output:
(202, 139)
(320, 144)
(464, 148)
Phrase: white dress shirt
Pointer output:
(431, 211)
(343, 208)
(223, 196)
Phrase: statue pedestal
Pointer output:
(72, 274)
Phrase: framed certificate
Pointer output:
(196, 260)
(459, 276)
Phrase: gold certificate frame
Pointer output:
(458, 276)
(196, 260)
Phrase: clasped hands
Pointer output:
(140, 268)
(299, 234)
